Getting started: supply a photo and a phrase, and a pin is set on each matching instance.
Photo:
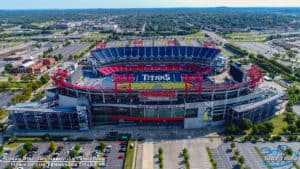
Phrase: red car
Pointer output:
(120, 156)
(104, 155)
(123, 142)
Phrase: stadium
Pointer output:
(193, 87)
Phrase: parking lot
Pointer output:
(172, 152)
(254, 161)
(88, 156)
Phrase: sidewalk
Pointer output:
(147, 161)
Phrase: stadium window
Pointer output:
(191, 113)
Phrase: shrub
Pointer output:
(102, 146)
(160, 150)
(160, 159)
(73, 153)
(27, 146)
(241, 160)
(53, 146)
(236, 152)
(186, 157)
(77, 147)
(289, 151)
(161, 165)
(232, 145)
(22, 153)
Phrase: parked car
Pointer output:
(123, 142)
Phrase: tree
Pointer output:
(66, 167)
(8, 67)
(1, 149)
(37, 167)
(277, 55)
(22, 153)
(8, 167)
(73, 153)
(290, 117)
(102, 146)
(241, 160)
(53, 146)
(27, 146)
(45, 79)
(262, 128)
(268, 126)
(232, 129)
(292, 128)
(232, 145)
(28, 77)
(288, 151)
(298, 123)
(290, 53)
(160, 150)
(60, 56)
(4, 86)
(245, 124)
(3, 113)
(77, 147)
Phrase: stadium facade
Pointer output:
(188, 86)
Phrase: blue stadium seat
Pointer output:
(113, 52)
(155, 51)
(148, 51)
(121, 52)
(134, 52)
(189, 51)
(175, 51)
(169, 51)
(196, 52)
(162, 51)
(141, 52)
(182, 51)
(128, 52)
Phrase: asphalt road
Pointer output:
(5, 98)
(71, 49)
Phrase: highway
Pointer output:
(71, 49)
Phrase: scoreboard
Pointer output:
(158, 77)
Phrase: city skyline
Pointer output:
(76, 4)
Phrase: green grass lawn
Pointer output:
(81, 50)
(198, 35)
(129, 155)
(175, 85)
(12, 145)
(18, 85)
(279, 124)
(227, 53)
(246, 37)
(3, 114)
(97, 35)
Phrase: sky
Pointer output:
(70, 4)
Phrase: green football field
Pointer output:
(174, 85)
